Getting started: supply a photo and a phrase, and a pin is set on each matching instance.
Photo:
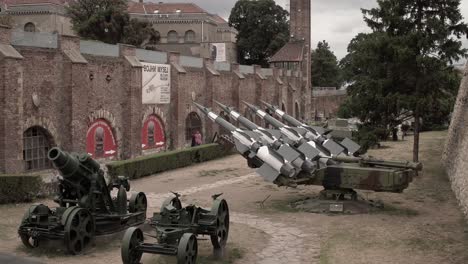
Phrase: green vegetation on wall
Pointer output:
(19, 188)
(148, 165)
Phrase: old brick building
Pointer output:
(183, 27)
(87, 96)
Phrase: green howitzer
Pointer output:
(371, 162)
(86, 207)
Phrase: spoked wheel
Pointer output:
(219, 240)
(79, 230)
(174, 201)
(187, 250)
(28, 241)
(138, 203)
(129, 250)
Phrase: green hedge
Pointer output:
(19, 188)
(148, 165)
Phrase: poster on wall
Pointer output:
(218, 51)
(100, 141)
(156, 83)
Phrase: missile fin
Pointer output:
(350, 145)
(252, 134)
(241, 147)
(334, 148)
(300, 130)
(310, 152)
(276, 133)
(288, 153)
(268, 172)
(319, 130)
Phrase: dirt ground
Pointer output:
(421, 225)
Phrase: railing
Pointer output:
(191, 62)
(99, 48)
(34, 39)
(246, 69)
(151, 56)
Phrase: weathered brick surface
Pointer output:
(455, 155)
(5, 34)
(74, 92)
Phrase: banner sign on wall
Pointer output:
(156, 83)
(218, 51)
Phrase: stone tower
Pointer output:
(295, 56)
(300, 31)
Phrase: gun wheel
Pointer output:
(138, 203)
(219, 240)
(29, 242)
(187, 250)
(132, 239)
(174, 201)
(79, 230)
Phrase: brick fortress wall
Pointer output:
(455, 155)
(64, 86)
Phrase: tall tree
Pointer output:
(405, 62)
(262, 27)
(108, 21)
(325, 70)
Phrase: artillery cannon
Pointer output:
(177, 229)
(86, 208)
(334, 165)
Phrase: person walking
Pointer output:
(196, 139)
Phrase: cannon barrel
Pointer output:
(72, 166)
(384, 163)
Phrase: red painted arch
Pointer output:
(100, 140)
(152, 134)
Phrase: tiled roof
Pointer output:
(292, 51)
(219, 19)
(33, 2)
(163, 8)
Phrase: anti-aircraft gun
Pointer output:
(335, 168)
(86, 207)
(176, 231)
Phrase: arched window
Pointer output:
(225, 116)
(190, 36)
(249, 114)
(283, 108)
(298, 114)
(172, 37)
(192, 124)
(99, 139)
(36, 145)
(151, 133)
(29, 27)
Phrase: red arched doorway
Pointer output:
(152, 134)
(100, 140)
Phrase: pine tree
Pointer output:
(404, 64)
(325, 70)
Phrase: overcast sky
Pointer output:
(336, 21)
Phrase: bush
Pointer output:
(19, 188)
(148, 165)
(367, 137)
